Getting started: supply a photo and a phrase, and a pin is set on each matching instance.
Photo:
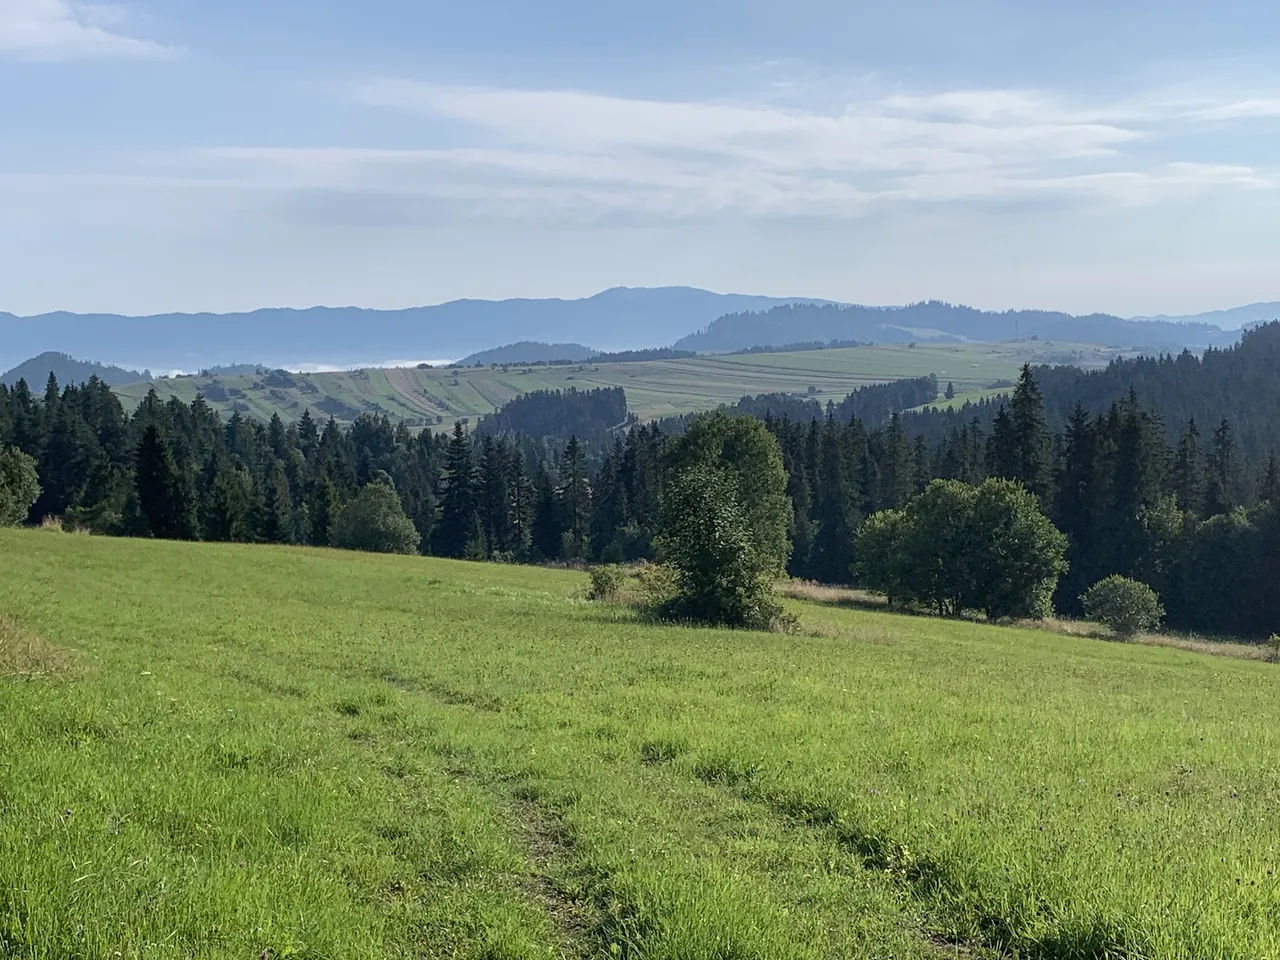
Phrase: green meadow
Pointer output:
(654, 389)
(227, 751)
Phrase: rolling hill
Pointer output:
(69, 370)
(657, 388)
(789, 323)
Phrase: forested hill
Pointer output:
(531, 351)
(935, 320)
(1240, 384)
(67, 369)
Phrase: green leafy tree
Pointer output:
(882, 563)
(375, 521)
(721, 575)
(959, 548)
(723, 523)
(1016, 555)
(1127, 606)
(938, 538)
(19, 486)
(744, 448)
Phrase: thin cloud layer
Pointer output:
(62, 30)
(522, 151)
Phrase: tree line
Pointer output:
(1195, 519)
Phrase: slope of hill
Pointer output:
(239, 750)
(788, 323)
(617, 319)
(531, 351)
(1239, 383)
(655, 388)
(69, 370)
(1232, 319)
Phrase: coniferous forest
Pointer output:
(1161, 470)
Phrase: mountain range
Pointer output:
(622, 318)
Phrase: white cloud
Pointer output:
(65, 30)
(561, 152)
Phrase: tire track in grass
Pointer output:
(923, 878)
(595, 917)
(537, 827)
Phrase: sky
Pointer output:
(163, 155)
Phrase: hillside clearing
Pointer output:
(341, 755)
(654, 388)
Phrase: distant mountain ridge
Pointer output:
(69, 370)
(622, 318)
(935, 320)
(1232, 319)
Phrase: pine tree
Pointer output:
(323, 505)
(458, 497)
(1187, 474)
(898, 467)
(1029, 456)
(547, 530)
(951, 391)
(1269, 487)
(277, 507)
(230, 504)
(574, 499)
(1222, 491)
(163, 497)
(523, 501)
(609, 506)
(494, 497)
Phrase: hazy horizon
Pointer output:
(164, 156)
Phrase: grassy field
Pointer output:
(229, 750)
(654, 389)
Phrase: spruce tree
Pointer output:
(1028, 459)
(897, 470)
(1269, 488)
(458, 497)
(574, 498)
(163, 496)
(1187, 473)
(1222, 491)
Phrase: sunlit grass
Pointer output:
(338, 755)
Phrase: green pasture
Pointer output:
(654, 388)
(335, 755)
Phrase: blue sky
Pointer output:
(178, 155)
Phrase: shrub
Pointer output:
(375, 521)
(606, 581)
(19, 486)
(956, 547)
(721, 577)
(1127, 606)
(723, 522)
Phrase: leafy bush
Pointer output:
(375, 521)
(19, 486)
(606, 581)
(956, 547)
(721, 576)
(1127, 606)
